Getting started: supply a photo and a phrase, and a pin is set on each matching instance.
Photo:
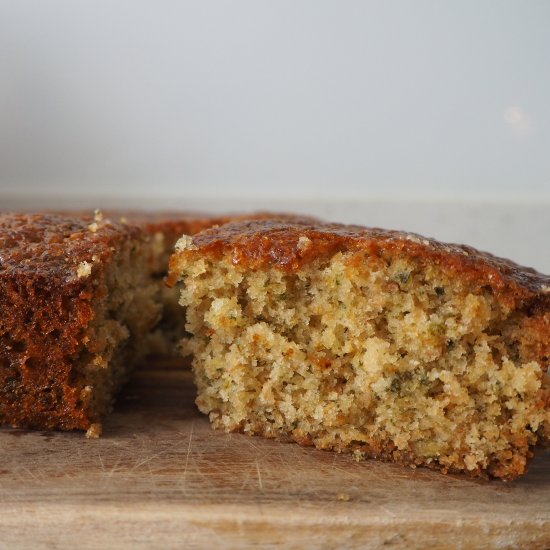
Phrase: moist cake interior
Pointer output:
(387, 357)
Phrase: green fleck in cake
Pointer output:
(378, 342)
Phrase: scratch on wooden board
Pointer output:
(31, 474)
(101, 461)
(260, 484)
(252, 443)
(387, 510)
(244, 483)
(148, 459)
(333, 469)
(107, 472)
(262, 452)
(152, 477)
(189, 444)
(153, 456)
(113, 469)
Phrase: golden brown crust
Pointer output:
(52, 246)
(173, 224)
(47, 301)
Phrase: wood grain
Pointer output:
(161, 477)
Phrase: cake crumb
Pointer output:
(84, 270)
(98, 215)
(185, 243)
(93, 227)
(303, 243)
(413, 238)
(94, 431)
(100, 361)
(358, 456)
(343, 497)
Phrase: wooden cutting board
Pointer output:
(161, 477)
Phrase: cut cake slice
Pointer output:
(378, 342)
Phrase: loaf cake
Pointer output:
(77, 300)
(381, 343)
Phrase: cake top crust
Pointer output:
(172, 224)
(58, 248)
(178, 223)
(169, 222)
(289, 245)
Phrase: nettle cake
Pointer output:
(164, 229)
(382, 343)
(77, 300)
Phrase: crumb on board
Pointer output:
(94, 431)
(358, 456)
(185, 242)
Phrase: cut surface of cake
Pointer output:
(382, 343)
(77, 300)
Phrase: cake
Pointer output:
(380, 343)
(164, 229)
(77, 300)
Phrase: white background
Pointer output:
(427, 115)
(287, 97)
